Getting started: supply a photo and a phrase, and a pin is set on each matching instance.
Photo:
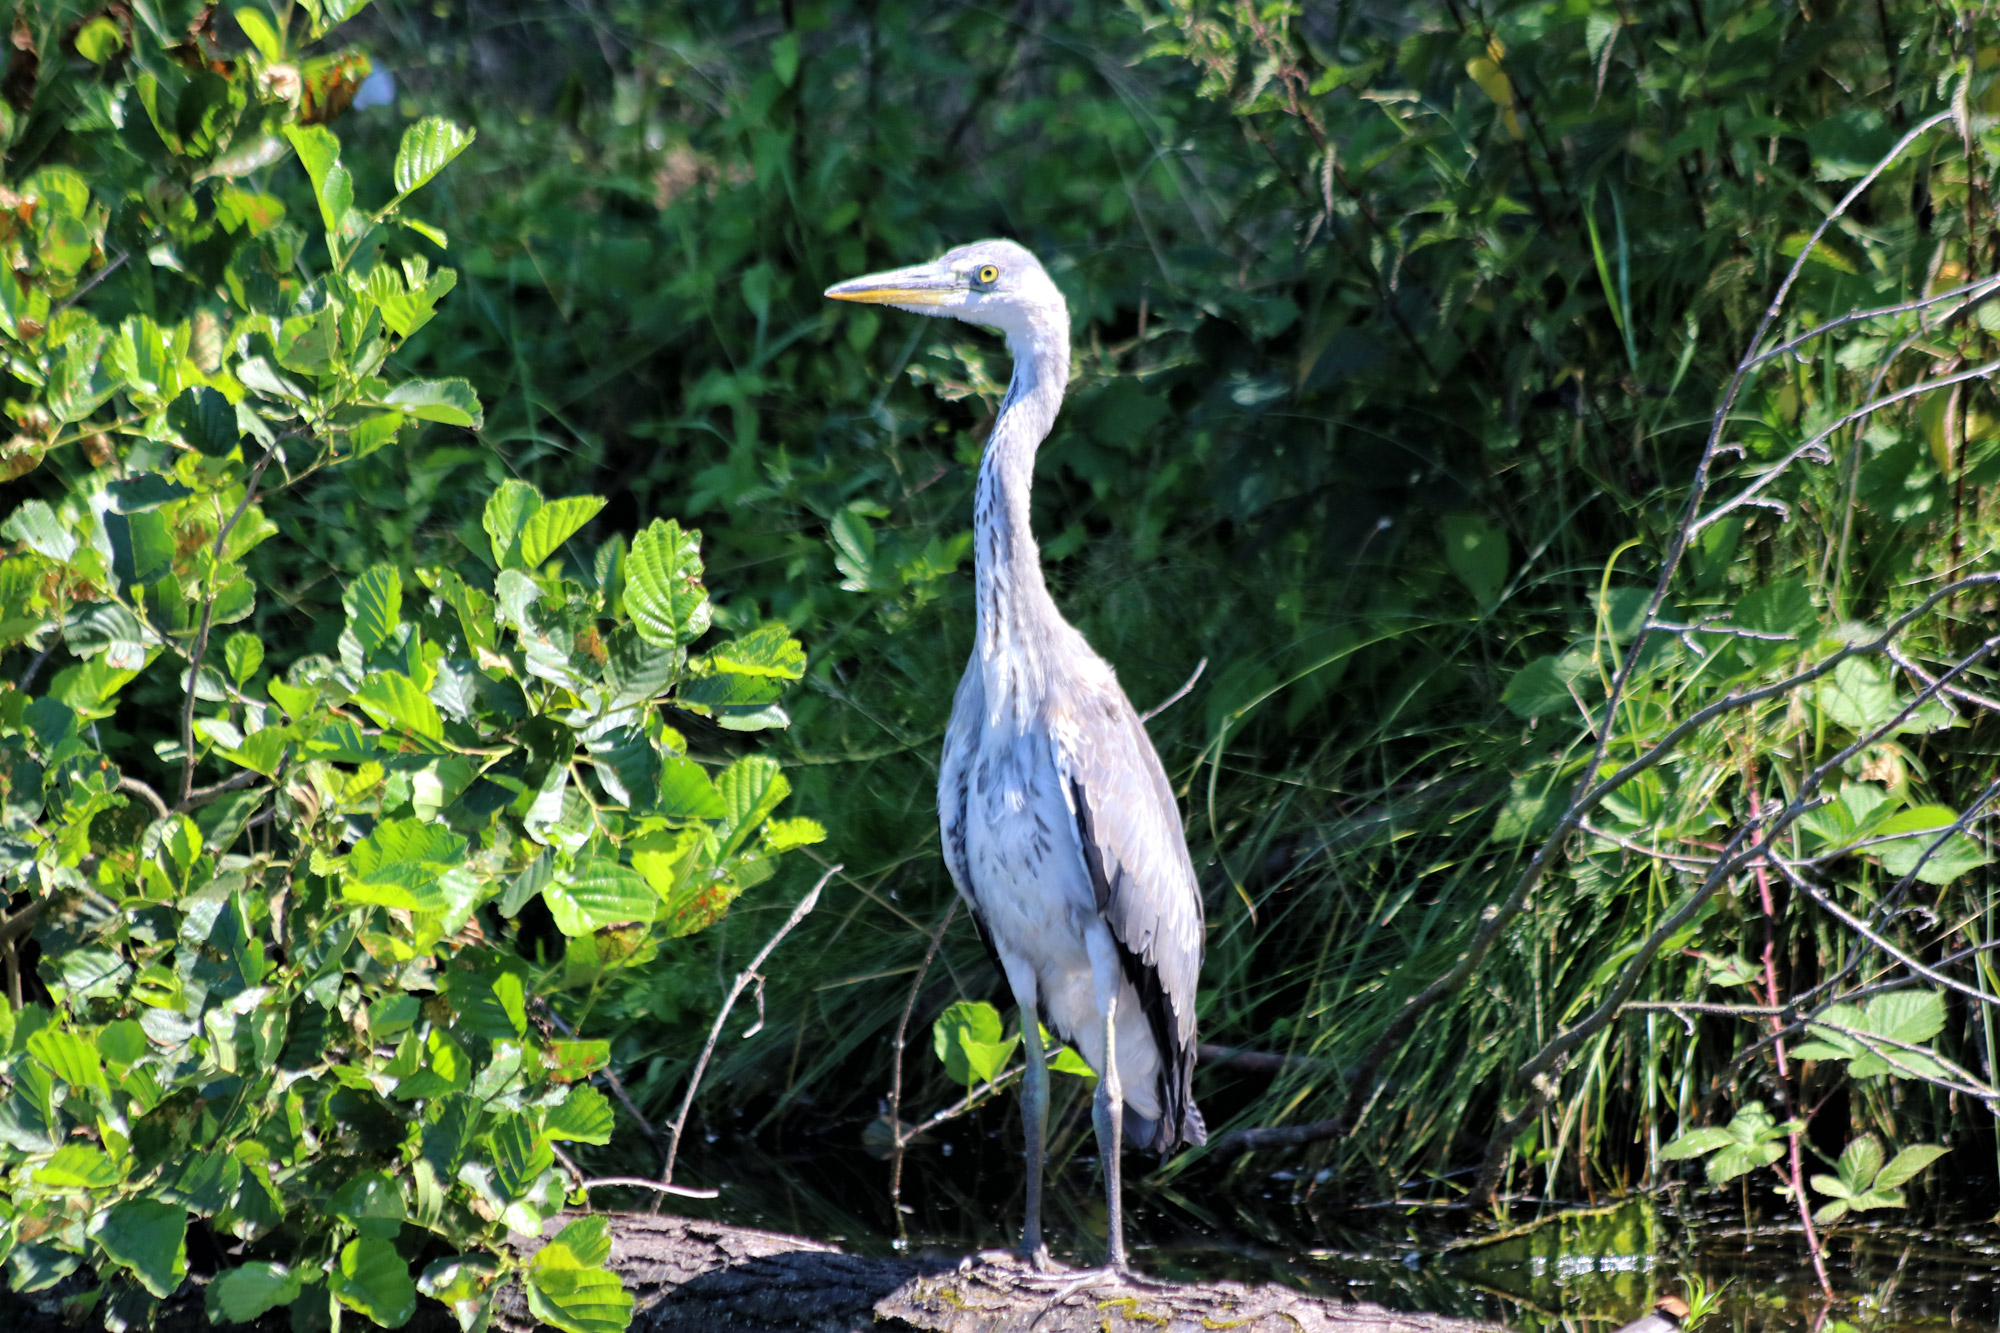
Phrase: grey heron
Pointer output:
(1060, 830)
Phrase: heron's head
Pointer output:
(995, 283)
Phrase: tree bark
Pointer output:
(705, 1277)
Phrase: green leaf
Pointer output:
(1955, 854)
(627, 764)
(769, 650)
(371, 1205)
(264, 36)
(1858, 1163)
(238, 1295)
(122, 1043)
(319, 152)
(400, 863)
(1906, 1015)
(1750, 1140)
(393, 700)
(99, 40)
(967, 1038)
(465, 1284)
(205, 420)
(588, 1238)
(686, 791)
(663, 591)
(597, 894)
(1781, 607)
(751, 788)
(78, 1166)
(373, 1280)
(428, 147)
(571, 1061)
(1857, 697)
(519, 1156)
(1477, 554)
(1067, 1061)
(88, 688)
(583, 1117)
(854, 550)
(450, 401)
(243, 653)
(36, 527)
(1535, 801)
(506, 516)
(1695, 1143)
(1905, 1165)
(434, 235)
(553, 524)
(374, 605)
(68, 1056)
(1538, 689)
(149, 1238)
(1741, 1159)
(571, 1291)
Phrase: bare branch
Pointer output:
(1179, 694)
(742, 982)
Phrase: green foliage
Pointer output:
(1751, 1139)
(1874, 1037)
(1865, 1182)
(292, 995)
(967, 1038)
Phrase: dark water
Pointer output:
(1583, 1270)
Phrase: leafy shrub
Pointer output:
(273, 977)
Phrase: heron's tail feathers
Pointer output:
(1163, 1136)
(1194, 1130)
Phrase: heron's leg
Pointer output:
(1034, 1109)
(1108, 1112)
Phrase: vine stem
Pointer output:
(1797, 1178)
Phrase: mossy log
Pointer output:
(706, 1277)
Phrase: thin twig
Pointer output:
(641, 1183)
(201, 796)
(742, 983)
(1179, 694)
(971, 1099)
(1699, 1007)
(207, 619)
(152, 798)
(27, 679)
(896, 1069)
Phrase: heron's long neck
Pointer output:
(1015, 609)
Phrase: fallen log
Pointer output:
(706, 1277)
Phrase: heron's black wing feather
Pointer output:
(1130, 829)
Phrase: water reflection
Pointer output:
(1579, 1271)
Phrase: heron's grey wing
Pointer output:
(961, 746)
(961, 742)
(1129, 827)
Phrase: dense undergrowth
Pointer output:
(1370, 430)
(1400, 331)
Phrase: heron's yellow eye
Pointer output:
(988, 273)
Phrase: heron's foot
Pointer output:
(1109, 1275)
(1039, 1259)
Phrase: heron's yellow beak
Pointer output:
(917, 285)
